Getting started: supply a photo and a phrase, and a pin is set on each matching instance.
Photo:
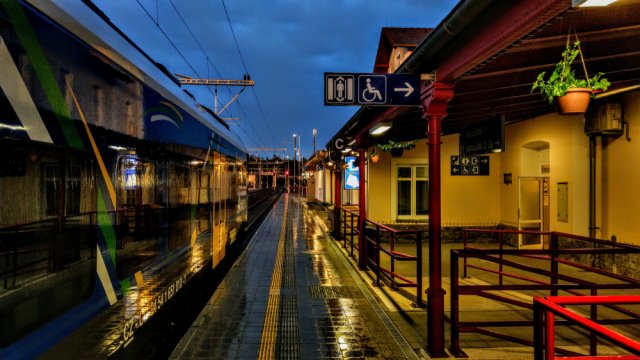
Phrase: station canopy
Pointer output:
(492, 52)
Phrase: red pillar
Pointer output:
(338, 202)
(435, 98)
(362, 250)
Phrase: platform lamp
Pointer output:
(315, 132)
(295, 148)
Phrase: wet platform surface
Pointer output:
(293, 295)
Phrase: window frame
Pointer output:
(413, 163)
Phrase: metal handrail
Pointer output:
(394, 256)
(349, 229)
(544, 323)
(569, 284)
(350, 221)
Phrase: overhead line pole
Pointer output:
(187, 80)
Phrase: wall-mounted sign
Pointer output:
(483, 138)
(469, 165)
(351, 174)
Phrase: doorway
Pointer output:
(533, 210)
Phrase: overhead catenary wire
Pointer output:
(168, 38)
(184, 22)
(235, 39)
(157, 23)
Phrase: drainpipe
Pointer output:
(592, 187)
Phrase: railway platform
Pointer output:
(294, 295)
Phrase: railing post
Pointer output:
(550, 352)
(465, 238)
(392, 246)
(554, 263)
(593, 338)
(344, 228)
(538, 332)
(455, 304)
(351, 232)
(419, 268)
(377, 241)
(501, 246)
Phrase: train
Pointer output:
(116, 185)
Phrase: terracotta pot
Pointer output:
(375, 158)
(574, 102)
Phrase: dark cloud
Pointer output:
(287, 45)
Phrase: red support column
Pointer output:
(362, 250)
(338, 202)
(435, 98)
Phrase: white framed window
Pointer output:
(410, 190)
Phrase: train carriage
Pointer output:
(116, 187)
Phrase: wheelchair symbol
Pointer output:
(372, 89)
(370, 93)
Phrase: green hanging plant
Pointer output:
(408, 145)
(563, 76)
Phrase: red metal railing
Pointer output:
(372, 238)
(350, 221)
(561, 267)
(376, 232)
(544, 312)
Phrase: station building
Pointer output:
(483, 149)
(507, 159)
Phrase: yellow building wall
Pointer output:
(469, 201)
(466, 200)
(569, 162)
(620, 179)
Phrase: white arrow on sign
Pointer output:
(408, 90)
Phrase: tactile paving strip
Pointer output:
(288, 345)
(333, 292)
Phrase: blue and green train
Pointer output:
(116, 186)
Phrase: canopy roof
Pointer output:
(492, 52)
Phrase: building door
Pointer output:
(530, 211)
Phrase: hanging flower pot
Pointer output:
(375, 158)
(396, 152)
(574, 102)
(563, 87)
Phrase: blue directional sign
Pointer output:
(371, 89)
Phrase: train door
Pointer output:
(531, 210)
(215, 198)
(219, 208)
(222, 199)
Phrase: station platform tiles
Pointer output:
(295, 293)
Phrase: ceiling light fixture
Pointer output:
(380, 128)
(591, 3)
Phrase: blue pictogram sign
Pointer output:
(351, 174)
